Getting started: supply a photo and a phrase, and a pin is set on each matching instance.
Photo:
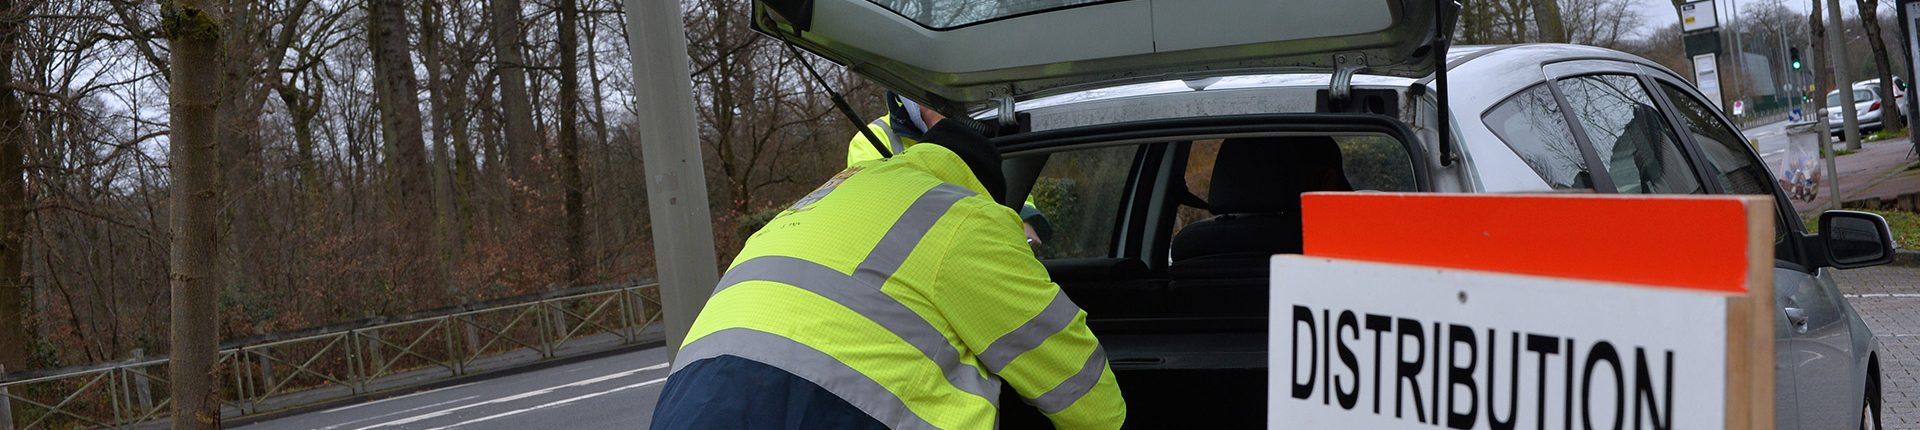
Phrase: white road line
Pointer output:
(389, 399)
(1882, 295)
(389, 414)
(444, 412)
(551, 404)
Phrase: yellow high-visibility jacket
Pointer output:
(903, 288)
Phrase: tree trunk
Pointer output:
(408, 183)
(302, 108)
(514, 103)
(440, 166)
(239, 152)
(1546, 13)
(1890, 118)
(1822, 70)
(193, 38)
(570, 140)
(16, 343)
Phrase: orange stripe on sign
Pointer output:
(1690, 242)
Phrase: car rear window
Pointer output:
(943, 14)
(1531, 123)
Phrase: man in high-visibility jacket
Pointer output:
(897, 295)
(901, 128)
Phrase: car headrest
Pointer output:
(1267, 174)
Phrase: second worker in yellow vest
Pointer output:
(897, 295)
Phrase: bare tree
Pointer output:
(193, 37)
(518, 147)
(1869, 18)
(569, 118)
(1822, 69)
(407, 181)
(1547, 14)
(15, 341)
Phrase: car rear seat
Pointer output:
(1220, 265)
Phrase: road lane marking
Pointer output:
(1882, 295)
(389, 399)
(445, 412)
(561, 402)
(389, 414)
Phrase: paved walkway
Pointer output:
(1881, 170)
(1891, 307)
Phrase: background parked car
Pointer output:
(1867, 105)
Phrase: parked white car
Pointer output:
(1866, 104)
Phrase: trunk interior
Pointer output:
(1185, 348)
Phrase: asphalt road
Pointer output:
(615, 392)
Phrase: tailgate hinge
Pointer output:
(1007, 117)
(1340, 87)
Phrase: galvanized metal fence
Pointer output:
(306, 369)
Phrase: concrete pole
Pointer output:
(670, 151)
(1837, 47)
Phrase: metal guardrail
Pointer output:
(278, 373)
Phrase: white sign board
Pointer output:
(1698, 16)
(1739, 107)
(1380, 346)
(1706, 76)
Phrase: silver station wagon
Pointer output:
(1168, 143)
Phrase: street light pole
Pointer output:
(670, 150)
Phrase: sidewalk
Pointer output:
(1877, 177)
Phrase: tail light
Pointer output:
(1875, 107)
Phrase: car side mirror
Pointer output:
(1850, 239)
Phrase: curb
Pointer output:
(1905, 258)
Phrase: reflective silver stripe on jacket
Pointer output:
(1055, 317)
(1075, 387)
(810, 364)
(893, 141)
(861, 292)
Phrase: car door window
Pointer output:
(1080, 193)
(1732, 165)
(1640, 151)
(1530, 122)
(1728, 159)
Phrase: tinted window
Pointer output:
(1080, 193)
(1530, 122)
(1640, 151)
(1730, 162)
(1728, 159)
(1858, 96)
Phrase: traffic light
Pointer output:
(1794, 57)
